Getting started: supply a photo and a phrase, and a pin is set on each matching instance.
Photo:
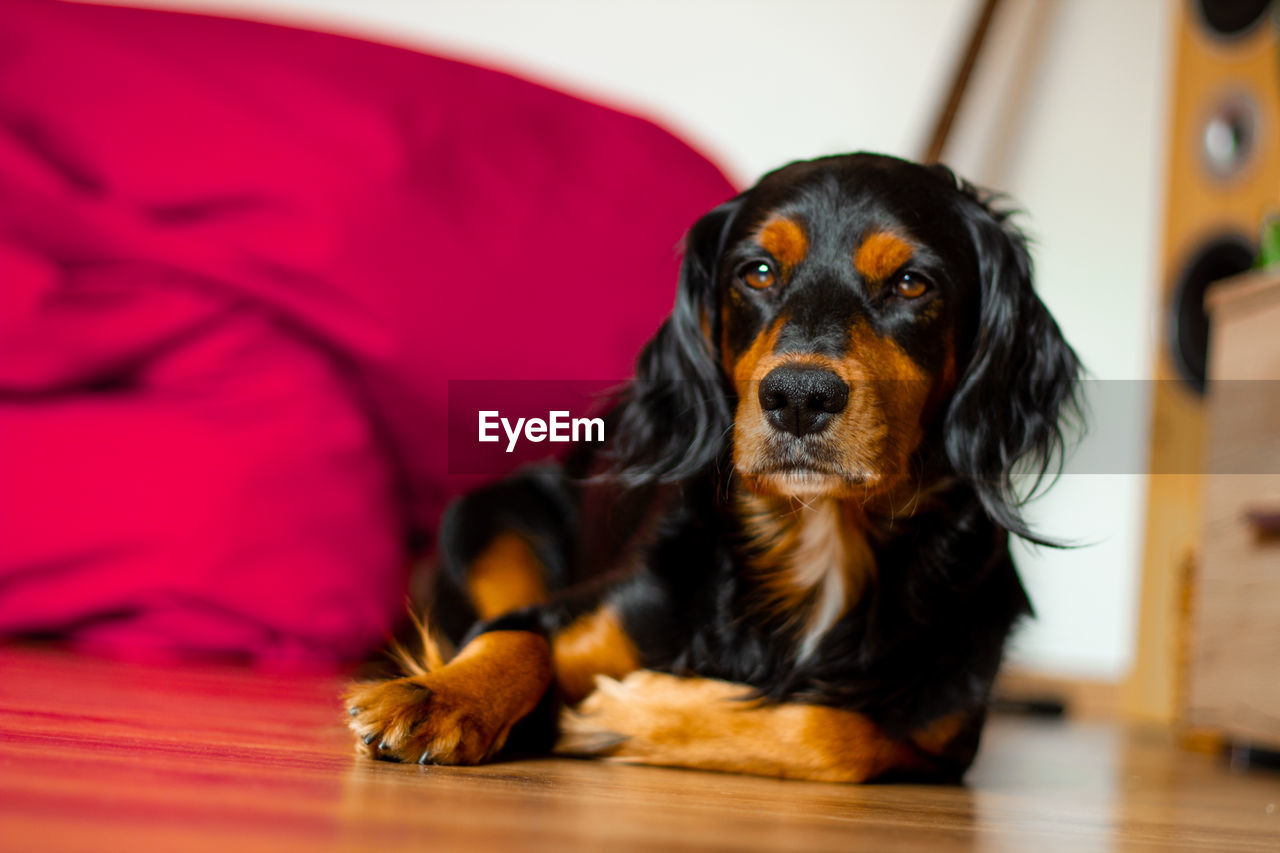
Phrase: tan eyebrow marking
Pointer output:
(881, 254)
(786, 240)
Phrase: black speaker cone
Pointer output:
(1218, 258)
(1231, 18)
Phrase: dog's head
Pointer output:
(846, 327)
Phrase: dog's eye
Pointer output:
(910, 285)
(758, 274)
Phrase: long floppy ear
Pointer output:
(675, 414)
(1020, 387)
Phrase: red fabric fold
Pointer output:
(239, 264)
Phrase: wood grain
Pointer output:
(1235, 636)
(101, 756)
(1196, 209)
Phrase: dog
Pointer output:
(790, 556)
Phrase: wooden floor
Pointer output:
(105, 756)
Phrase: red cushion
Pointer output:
(239, 265)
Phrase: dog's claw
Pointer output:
(404, 720)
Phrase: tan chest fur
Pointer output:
(811, 560)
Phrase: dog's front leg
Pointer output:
(655, 718)
(460, 713)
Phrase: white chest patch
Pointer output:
(830, 560)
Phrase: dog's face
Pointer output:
(842, 290)
(844, 322)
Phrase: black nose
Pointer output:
(802, 400)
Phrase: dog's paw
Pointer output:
(424, 719)
(649, 717)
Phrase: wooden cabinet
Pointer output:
(1234, 657)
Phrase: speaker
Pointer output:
(1223, 178)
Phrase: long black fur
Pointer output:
(673, 417)
(1019, 390)
(648, 528)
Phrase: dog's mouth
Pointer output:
(807, 481)
(844, 458)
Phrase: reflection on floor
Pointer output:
(97, 756)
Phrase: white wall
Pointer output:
(1076, 133)
(752, 83)
(1067, 116)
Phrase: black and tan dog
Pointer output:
(793, 548)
